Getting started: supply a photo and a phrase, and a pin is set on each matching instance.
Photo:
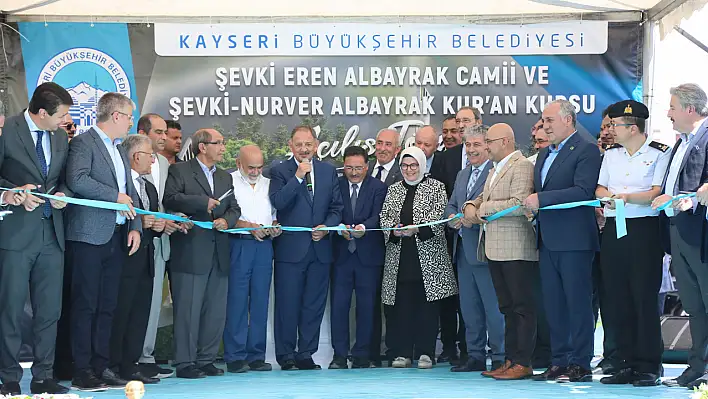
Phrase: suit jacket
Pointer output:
(451, 165)
(162, 241)
(470, 236)
(295, 208)
(370, 247)
(394, 175)
(187, 191)
(511, 237)
(90, 174)
(144, 258)
(428, 205)
(693, 174)
(438, 169)
(572, 177)
(19, 165)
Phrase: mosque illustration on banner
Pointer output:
(85, 97)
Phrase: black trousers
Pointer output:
(414, 321)
(452, 331)
(514, 284)
(131, 316)
(542, 350)
(35, 271)
(600, 305)
(377, 330)
(96, 277)
(631, 270)
(63, 361)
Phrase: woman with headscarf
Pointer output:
(417, 270)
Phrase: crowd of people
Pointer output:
(521, 288)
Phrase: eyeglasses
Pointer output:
(357, 169)
(405, 166)
(215, 142)
(131, 117)
(152, 154)
(493, 140)
(620, 124)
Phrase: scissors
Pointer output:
(226, 194)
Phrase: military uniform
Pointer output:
(631, 266)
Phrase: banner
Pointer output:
(255, 82)
(86, 59)
(234, 77)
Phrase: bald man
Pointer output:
(509, 245)
(251, 267)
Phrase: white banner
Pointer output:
(349, 39)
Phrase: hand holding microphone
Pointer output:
(304, 169)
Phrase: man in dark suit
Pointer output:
(305, 193)
(478, 299)
(200, 259)
(384, 168)
(449, 163)
(98, 169)
(130, 320)
(566, 171)
(358, 260)
(33, 151)
(687, 172)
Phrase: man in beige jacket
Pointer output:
(509, 245)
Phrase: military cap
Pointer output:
(629, 108)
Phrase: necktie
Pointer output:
(379, 173)
(143, 193)
(473, 180)
(39, 148)
(467, 162)
(352, 244)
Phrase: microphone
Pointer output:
(308, 179)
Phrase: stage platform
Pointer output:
(384, 383)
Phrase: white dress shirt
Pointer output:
(386, 169)
(499, 165)
(253, 200)
(155, 173)
(622, 173)
(46, 140)
(136, 183)
(675, 167)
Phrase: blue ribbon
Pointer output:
(678, 197)
(502, 213)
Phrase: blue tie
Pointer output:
(47, 209)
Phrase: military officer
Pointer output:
(631, 266)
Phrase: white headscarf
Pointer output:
(419, 156)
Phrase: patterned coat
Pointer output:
(510, 237)
(428, 206)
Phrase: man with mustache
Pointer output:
(687, 172)
(384, 168)
(251, 267)
(200, 259)
(305, 192)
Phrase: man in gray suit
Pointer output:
(385, 168)
(33, 151)
(200, 259)
(478, 299)
(98, 169)
(155, 128)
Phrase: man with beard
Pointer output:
(251, 267)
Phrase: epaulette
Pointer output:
(659, 146)
(613, 146)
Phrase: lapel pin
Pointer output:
(572, 148)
